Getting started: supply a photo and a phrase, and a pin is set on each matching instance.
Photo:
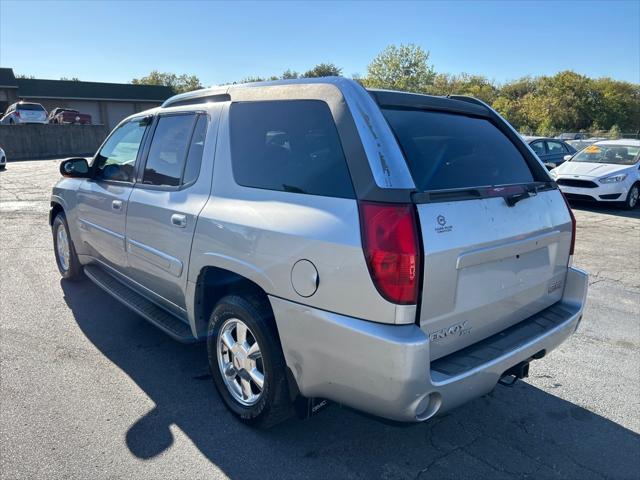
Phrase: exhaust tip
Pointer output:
(428, 406)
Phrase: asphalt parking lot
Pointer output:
(90, 390)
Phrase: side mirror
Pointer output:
(75, 168)
(567, 157)
(550, 165)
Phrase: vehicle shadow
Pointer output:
(513, 432)
(605, 209)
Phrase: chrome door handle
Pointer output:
(116, 205)
(178, 220)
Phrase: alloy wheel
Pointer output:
(240, 362)
(62, 247)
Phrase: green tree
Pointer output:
(614, 133)
(289, 74)
(322, 70)
(616, 104)
(404, 67)
(23, 76)
(178, 83)
(464, 84)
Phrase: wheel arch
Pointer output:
(214, 283)
(56, 208)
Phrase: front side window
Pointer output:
(448, 151)
(168, 151)
(538, 147)
(117, 158)
(291, 146)
(613, 154)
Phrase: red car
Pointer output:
(66, 115)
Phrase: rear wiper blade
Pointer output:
(516, 197)
(530, 190)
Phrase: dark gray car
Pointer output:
(550, 150)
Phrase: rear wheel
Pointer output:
(66, 257)
(246, 361)
(632, 197)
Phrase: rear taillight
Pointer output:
(573, 225)
(390, 243)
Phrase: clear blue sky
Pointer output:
(222, 42)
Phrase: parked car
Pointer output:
(572, 136)
(550, 150)
(66, 115)
(3, 160)
(394, 252)
(585, 142)
(607, 171)
(24, 112)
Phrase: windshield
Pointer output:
(613, 154)
(450, 151)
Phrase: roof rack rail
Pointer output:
(465, 98)
(221, 97)
(212, 94)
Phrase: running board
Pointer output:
(169, 324)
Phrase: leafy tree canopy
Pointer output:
(179, 83)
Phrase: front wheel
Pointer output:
(66, 257)
(246, 361)
(632, 197)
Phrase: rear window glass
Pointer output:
(291, 146)
(30, 106)
(446, 151)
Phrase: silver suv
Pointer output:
(394, 252)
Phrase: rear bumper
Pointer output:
(385, 369)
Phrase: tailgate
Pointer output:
(488, 265)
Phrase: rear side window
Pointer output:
(446, 151)
(196, 149)
(291, 146)
(168, 151)
(555, 147)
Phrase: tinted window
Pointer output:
(292, 146)
(538, 147)
(168, 150)
(194, 158)
(117, 158)
(30, 106)
(446, 151)
(555, 147)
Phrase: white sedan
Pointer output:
(607, 171)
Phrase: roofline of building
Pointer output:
(94, 99)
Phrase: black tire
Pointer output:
(11, 121)
(74, 270)
(629, 203)
(274, 404)
(3, 166)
